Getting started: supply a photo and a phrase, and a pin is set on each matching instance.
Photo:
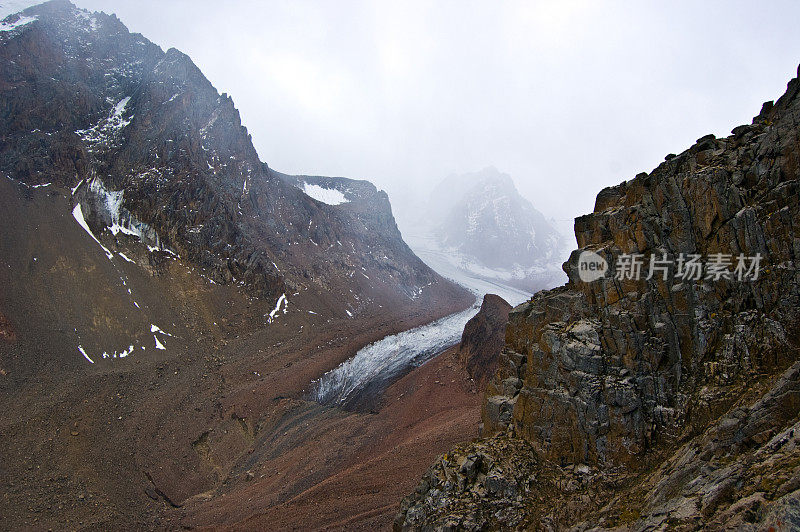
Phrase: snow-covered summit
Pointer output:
(481, 225)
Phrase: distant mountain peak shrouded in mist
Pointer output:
(481, 219)
(650, 402)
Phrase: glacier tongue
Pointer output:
(375, 366)
(380, 362)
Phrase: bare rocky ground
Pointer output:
(215, 429)
(323, 468)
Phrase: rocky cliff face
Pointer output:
(150, 148)
(662, 401)
(483, 338)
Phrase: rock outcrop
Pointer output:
(483, 338)
(674, 392)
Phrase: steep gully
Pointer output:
(358, 383)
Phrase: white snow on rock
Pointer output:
(107, 129)
(122, 354)
(8, 26)
(122, 221)
(156, 329)
(77, 213)
(89, 19)
(282, 301)
(331, 196)
(80, 348)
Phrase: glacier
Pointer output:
(377, 364)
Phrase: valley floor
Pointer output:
(323, 467)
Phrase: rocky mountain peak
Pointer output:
(87, 102)
(483, 339)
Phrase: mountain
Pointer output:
(485, 227)
(646, 402)
(167, 299)
(151, 151)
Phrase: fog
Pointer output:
(566, 97)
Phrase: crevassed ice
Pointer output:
(331, 196)
(121, 220)
(382, 360)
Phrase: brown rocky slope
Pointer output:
(647, 404)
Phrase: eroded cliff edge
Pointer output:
(640, 403)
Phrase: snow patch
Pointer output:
(90, 19)
(77, 213)
(156, 329)
(122, 354)
(282, 301)
(159, 345)
(80, 348)
(107, 129)
(21, 21)
(331, 196)
(125, 257)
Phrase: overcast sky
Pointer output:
(566, 97)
